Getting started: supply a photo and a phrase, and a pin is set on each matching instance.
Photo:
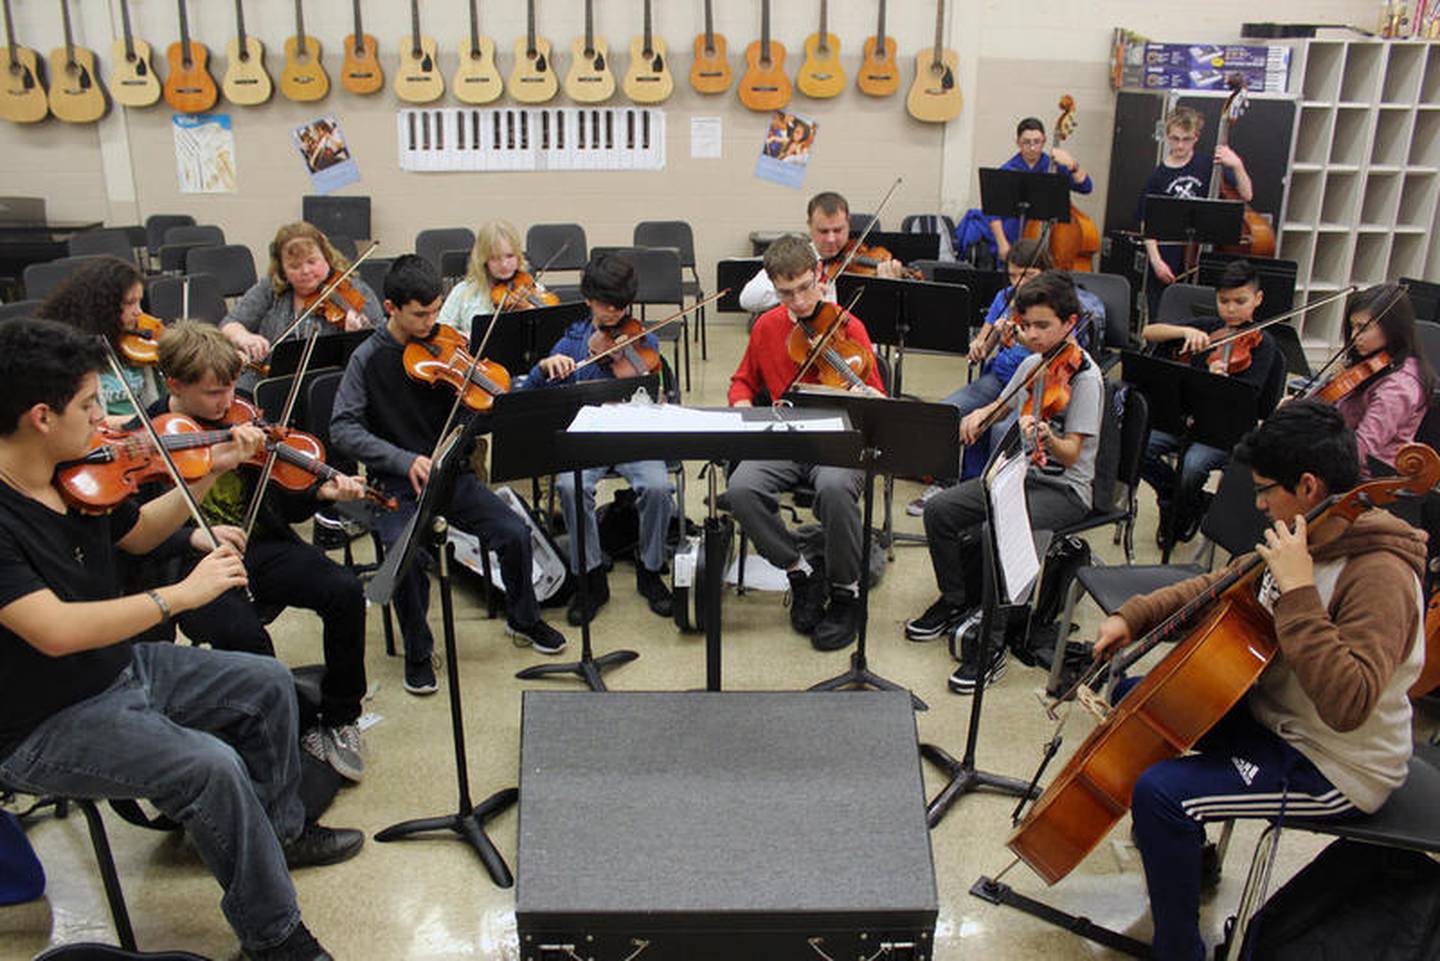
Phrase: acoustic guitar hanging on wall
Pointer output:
(304, 77)
(879, 75)
(533, 80)
(246, 81)
(648, 79)
(589, 79)
(821, 75)
(710, 73)
(361, 72)
(476, 79)
(764, 86)
(418, 78)
(189, 88)
(935, 94)
(132, 80)
(76, 95)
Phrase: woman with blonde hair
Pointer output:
(496, 258)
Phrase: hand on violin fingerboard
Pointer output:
(557, 366)
(342, 488)
(419, 473)
(245, 441)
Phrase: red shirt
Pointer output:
(767, 366)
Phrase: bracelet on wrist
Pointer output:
(160, 603)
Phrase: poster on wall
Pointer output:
(785, 155)
(204, 153)
(326, 154)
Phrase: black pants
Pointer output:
(291, 573)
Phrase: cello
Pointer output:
(1073, 245)
(1257, 237)
(1225, 639)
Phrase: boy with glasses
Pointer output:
(1031, 158)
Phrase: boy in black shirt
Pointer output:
(390, 422)
(208, 736)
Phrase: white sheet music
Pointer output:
(1010, 518)
(675, 418)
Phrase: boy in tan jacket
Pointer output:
(1325, 732)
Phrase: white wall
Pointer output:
(1016, 59)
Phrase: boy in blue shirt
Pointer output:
(1031, 158)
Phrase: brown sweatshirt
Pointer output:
(1350, 647)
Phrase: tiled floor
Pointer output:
(432, 900)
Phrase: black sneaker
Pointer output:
(807, 600)
(962, 681)
(838, 627)
(1209, 867)
(299, 946)
(541, 636)
(420, 676)
(652, 587)
(583, 610)
(319, 845)
(940, 617)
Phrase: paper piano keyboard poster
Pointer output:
(531, 139)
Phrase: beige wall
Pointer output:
(1017, 58)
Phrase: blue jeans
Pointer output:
(983, 390)
(211, 738)
(474, 509)
(1195, 466)
(1241, 770)
(654, 499)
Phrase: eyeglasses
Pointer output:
(790, 293)
(1035, 142)
(1261, 489)
(1182, 138)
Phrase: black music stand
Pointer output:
(469, 819)
(520, 420)
(1194, 405)
(1024, 195)
(331, 350)
(906, 437)
(964, 776)
(1193, 220)
(905, 246)
(522, 337)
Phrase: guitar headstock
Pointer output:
(1065, 125)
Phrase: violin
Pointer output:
(1223, 639)
(1352, 378)
(621, 348)
(1055, 373)
(141, 347)
(521, 292)
(1230, 350)
(864, 260)
(335, 307)
(300, 461)
(843, 363)
(442, 357)
(118, 462)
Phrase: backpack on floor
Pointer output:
(548, 570)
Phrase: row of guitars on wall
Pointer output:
(74, 92)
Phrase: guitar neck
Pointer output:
(765, 32)
(649, 43)
(300, 24)
(10, 32)
(709, 27)
(69, 35)
(880, 29)
(184, 36)
(415, 28)
(939, 30)
(125, 25)
(530, 28)
(589, 28)
(824, 23)
(474, 27)
(240, 23)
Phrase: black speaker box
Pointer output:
(699, 826)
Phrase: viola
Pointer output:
(141, 347)
(441, 357)
(335, 307)
(1353, 377)
(1225, 639)
(300, 457)
(119, 462)
(843, 363)
(623, 350)
(521, 292)
(864, 260)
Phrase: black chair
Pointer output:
(1287, 338)
(677, 234)
(195, 233)
(1406, 820)
(167, 298)
(858, 223)
(344, 244)
(19, 308)
(1114, 292)
(662, 283)
(1425, 295)
(431, 243)
(1428, 334)
(373, 272)
(112, 241)
(157, 224)
(1181, 303)
(232, 266)
(346, 216)
(41, 280)
(454, 263)
(173, 257)
(554, 247)
(1114, 493)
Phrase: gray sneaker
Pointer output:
(344, 750)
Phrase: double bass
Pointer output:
(1257, 237)
(1073, 246)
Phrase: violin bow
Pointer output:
(874, 219)
(1318, 381)
(624, 342)
(1238, 332)
(817, 348)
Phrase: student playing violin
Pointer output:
(1057, 494)
(302, 263)
(608, 286)
(828, 218)
(210, 737)
(1325, 732)
(103, 298)
(201, 367)
(1237, 297)
(1031, 158)
(764, 372)
(390, 423)
(495, 259)
(1386, 409)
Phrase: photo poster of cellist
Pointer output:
(785, 155)
(326, 154)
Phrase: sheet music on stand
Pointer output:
(675, 418)
(1015, 555)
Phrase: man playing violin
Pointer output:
(390, 423)
(1237, 297)
(828, 217)
(1326, 730)
(302, 263)
(608, 286)
(755, 486)
(210, 737)
(201, 366)
(1031, 158)
(1057, 493)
